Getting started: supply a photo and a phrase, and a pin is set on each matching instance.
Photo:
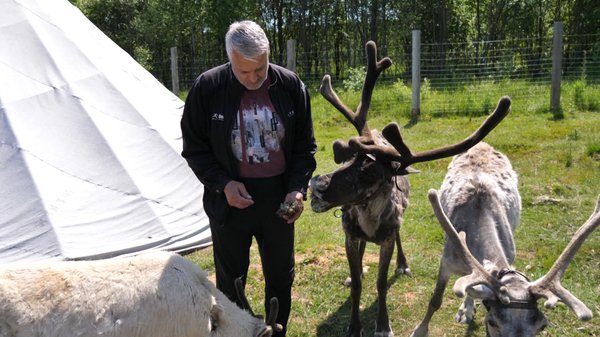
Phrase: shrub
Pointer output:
(355, 80)
(593, 150)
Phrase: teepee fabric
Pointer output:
(89, 145)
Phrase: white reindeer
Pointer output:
(480, 199)
(151, 295)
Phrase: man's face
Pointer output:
(250, 73)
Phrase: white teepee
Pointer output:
(89, 145)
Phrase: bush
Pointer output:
(355, 80)
(583, 96)
(593, 150)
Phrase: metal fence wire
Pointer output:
(521, 68)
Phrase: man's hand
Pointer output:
(236, 195)
(292, 207)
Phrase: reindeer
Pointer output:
(479, 198)
(373, 189)
(154, 294)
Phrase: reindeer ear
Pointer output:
(481, 292)
(342, 152)
(399, 171)
(216, 312)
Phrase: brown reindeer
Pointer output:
(372, 187)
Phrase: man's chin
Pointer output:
(253, 87)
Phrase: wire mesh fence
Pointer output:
(475, 74)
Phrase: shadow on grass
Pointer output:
(413, 121)
(472, 329)
(337, 323)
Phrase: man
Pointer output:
(248, 136)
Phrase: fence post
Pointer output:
(416, 75)
(174, 71)
(291, 55)
(557, 47)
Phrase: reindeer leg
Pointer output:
(361, 250)
(382, 326)
(466, 311)
(435, 302)
(355, 264)
(401, 264)
(362, 244)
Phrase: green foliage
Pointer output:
(425, 89)
(584, 96)
(114, 18)
(355, 80)
(143, 56)
(574, 135)
(593, 150)
(477, 99)
(456, 35)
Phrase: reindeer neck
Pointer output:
(375, 219)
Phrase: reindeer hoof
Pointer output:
(420, 331)
(388, 333)
(463, 316)
(406, 271)
(348, 280)
(384, 331)
(350, 333)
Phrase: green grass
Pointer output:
(559, 170)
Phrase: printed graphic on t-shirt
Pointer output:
(260, 127)
(257, 136)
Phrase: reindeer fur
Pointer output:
(155, 294)
(480, 199)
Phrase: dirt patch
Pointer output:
(328, 256)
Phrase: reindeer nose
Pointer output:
(318, 183)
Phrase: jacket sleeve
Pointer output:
(195, 132)
(304, 145)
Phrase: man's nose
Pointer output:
(254, 77)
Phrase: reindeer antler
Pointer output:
(374, 69)
(401, 152)
(404, 155)
(549, 287)
(478, 273)
(273, 312)
(241, 294)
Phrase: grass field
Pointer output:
(558, 162)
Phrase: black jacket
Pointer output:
(208, 117)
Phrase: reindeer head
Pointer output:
(227, 320)
(371, 162)
(510, 298)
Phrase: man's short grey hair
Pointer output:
(247, 38)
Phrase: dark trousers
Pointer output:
(275, 238)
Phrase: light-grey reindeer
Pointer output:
(479, 198)
(372, 187)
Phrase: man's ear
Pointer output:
(342, 152)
